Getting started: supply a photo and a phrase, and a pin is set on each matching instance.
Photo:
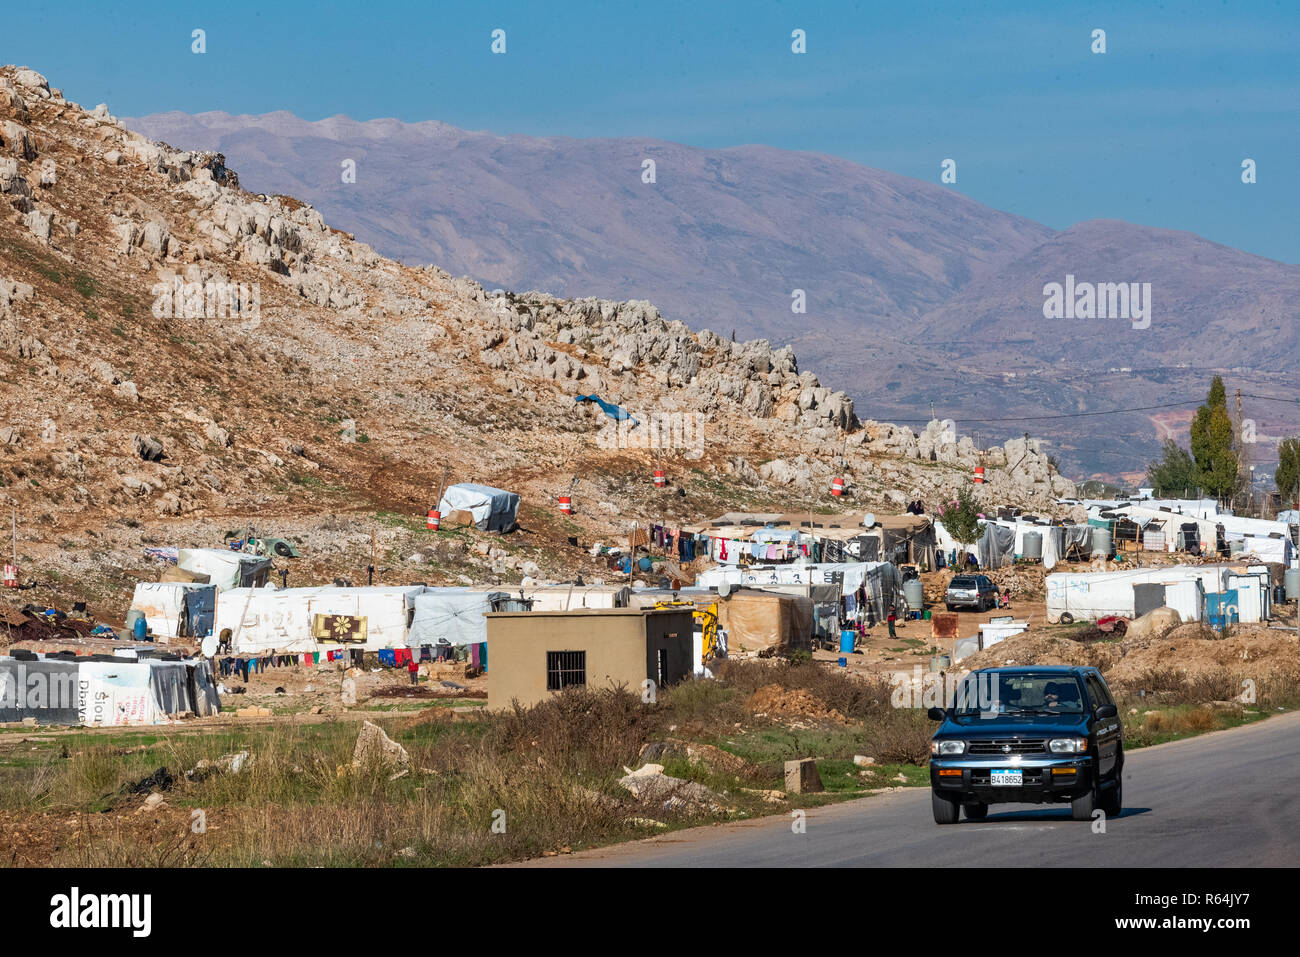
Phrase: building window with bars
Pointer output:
(565, 669)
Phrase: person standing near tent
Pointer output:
(893, 616)
(413, 667)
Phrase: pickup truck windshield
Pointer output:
(1019, 694)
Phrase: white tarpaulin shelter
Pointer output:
(225, 568)
(1087, 596)
(1267, 549)
(271, 619)
(493, 509)
(880, 580)
(569, 597)
(454, 615)
(164, 605)
(105, 690)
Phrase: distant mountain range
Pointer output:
(915, 294)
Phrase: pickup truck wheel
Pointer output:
(945, 809)
(1112, 801)
(977, 812)
(1081, 808)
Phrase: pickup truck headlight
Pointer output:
(1068, 745)
(947, 747)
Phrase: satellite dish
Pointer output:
(868, 520)
(724, 589)
(209, 646)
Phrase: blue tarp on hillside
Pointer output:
(611, 410)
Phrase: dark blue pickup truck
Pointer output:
(1030, 735)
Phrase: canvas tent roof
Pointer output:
(454, 615)
(493, 509)
(225, 568)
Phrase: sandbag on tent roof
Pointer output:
(493, 509)
(453, 615)
(225, 568)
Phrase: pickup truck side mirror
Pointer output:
(937, 714)
(1107, 711)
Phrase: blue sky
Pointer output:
(1154, 131)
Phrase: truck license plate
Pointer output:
(1000, 778)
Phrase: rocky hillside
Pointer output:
(182, 358)
(915, 293)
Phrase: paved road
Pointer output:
(1231, 798)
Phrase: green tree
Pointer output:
(961, 517)
(1212, 447)
(1175, 475)
(1288, 470)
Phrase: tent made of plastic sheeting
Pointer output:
(996, 546)
(176, 609)
(224, 568)
(571, 597)
(1205, 508)
(1207, 530)
(1087, 596)
(881, 581)
(453, 616)
(301, 619)
(492, 509)
(102, 690)
(701, 598)
(1289, 516)
(760, 620)
(906, 539)
(1279, 551)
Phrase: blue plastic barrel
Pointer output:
(847, 640)
(140, 629)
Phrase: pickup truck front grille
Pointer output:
(1008, 746)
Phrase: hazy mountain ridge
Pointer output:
(915, 293)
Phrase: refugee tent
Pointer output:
(225, 568)
(302, 619)
(569, 597)
(996, 546)
(176, 609)
(1087, 596)
(492, 509)
(757, 621)
(1053, 545)
(1276, 549)
(452, 615)
(105, 690)
(906, 539)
